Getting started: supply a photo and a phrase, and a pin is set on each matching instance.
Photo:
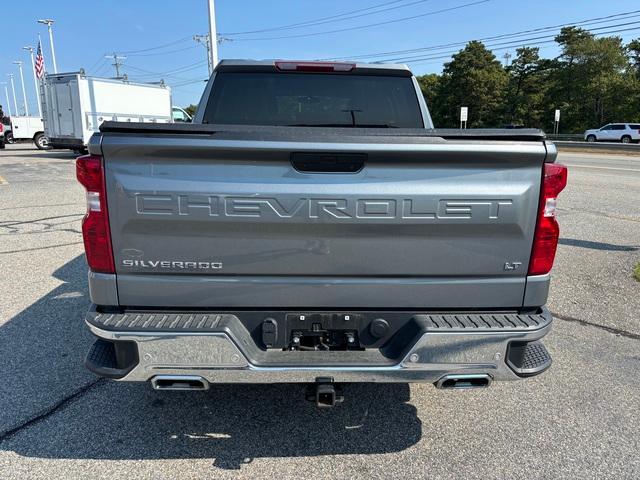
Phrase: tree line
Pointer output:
(594, 81)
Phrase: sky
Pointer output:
(156, 36)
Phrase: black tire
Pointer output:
(625, 139)
(591, 138)
(41, 141)
(1, 144)
(8, 138)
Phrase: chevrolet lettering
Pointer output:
(320, 208)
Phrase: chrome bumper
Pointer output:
(218, 358)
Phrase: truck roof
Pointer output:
(270, 66)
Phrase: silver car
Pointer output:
(614, 132)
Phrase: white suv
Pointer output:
(614, 132)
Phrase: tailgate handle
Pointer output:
(328, 162)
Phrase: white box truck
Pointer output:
(74, 106)
(27, 128)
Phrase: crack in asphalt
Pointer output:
(41, 206)
(45, 227)
(44, 414)
(6, 252)
(601, 214)
(57, 230)
(615, 331)
(12, 223)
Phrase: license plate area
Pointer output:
(323, 331)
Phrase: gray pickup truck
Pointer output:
(312, 226)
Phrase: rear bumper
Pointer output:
(71, 143)
(139, 346)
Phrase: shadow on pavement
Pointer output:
(598, 245)
(43, 348)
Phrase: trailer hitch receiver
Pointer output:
(324, 393)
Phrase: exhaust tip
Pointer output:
(463, 382)
(179, 382)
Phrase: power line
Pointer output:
(595, 20)
(190, 82)
(166, 52)
(512, 43)
(360, 27)
(170, 44)
(335, 18)
(519, 43)
(97, 62)
(145, 75)
(184, 68)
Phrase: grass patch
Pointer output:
(636, 271)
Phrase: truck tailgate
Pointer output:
(215, 221)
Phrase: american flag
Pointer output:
(39, 62)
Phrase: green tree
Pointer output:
(429, 85)
(592, 81)
(525, 94)
(191, 109)
(476, 79)
(633, 49)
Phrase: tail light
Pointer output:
(95, 225)
(297, 66)
(545, 240)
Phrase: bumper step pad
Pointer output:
(486, 321)
(528, 359)
(111, 359)
(134, 321)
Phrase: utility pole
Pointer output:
(507, 57)
(6, 93)
(48, 22)
(213, 35)
(117, 62)
(24, 91)
(204, 40)
(35, 78)
(13, 90)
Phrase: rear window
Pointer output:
(617, 127)
(634, 126)
(313, 99)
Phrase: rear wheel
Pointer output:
(626, 139)
(591, 138)
(8, 137)
(41, 141)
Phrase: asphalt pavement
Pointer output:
(581, 419)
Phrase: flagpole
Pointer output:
(35, 78)
(6, 92)
(13, 91)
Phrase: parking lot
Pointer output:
(581, 419)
